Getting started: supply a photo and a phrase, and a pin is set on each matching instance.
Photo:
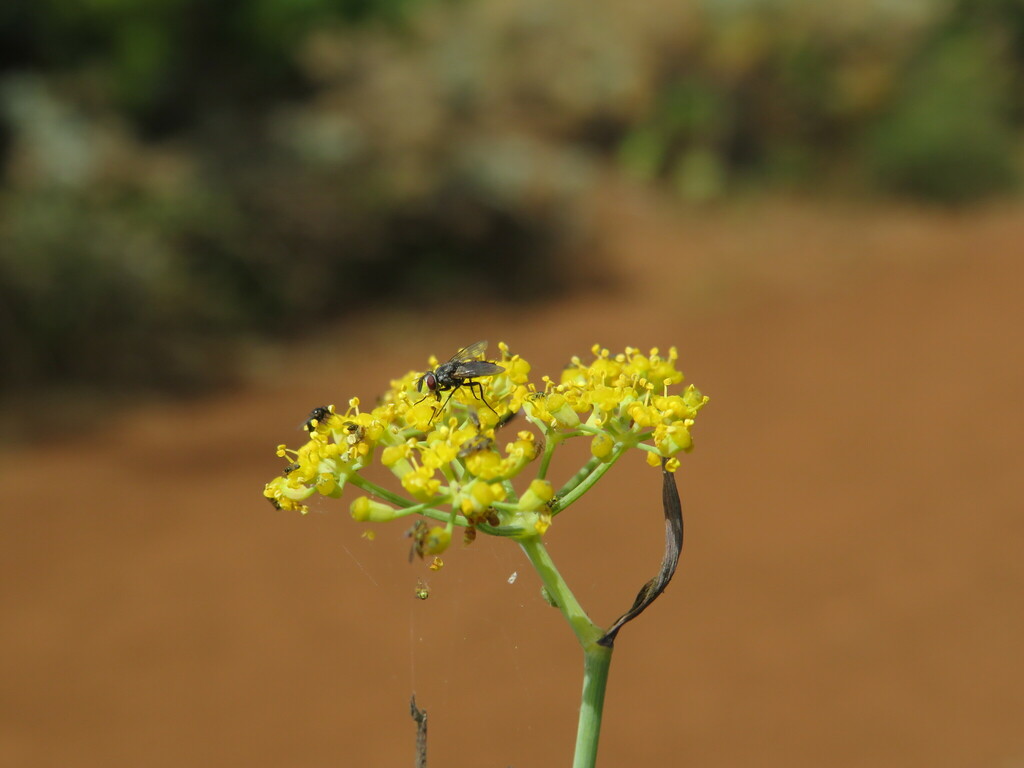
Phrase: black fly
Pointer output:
(316, 416)
(460, 371)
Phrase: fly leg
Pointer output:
(438, 410)
(479, 393)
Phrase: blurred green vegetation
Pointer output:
(180, 176)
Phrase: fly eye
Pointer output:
(431, 381)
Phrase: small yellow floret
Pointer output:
(561, 412)
(327, 484)
(517, 370)
(436, 541)
(394, 453)
(419, 416)
(694, 399)
(438, 455)
(644, 415)
(605, 398)
(421, 483)
(674, 438)
(537, 495)
(602, 445)
(485, 464)
(478, 496)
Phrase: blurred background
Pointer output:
(215, 217)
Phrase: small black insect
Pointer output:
(460, 371)
(475, 445)
(317, 415)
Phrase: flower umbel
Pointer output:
(457, 463)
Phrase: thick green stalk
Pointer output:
(596, 658)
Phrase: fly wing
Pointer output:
(472, 352)
(470, 369)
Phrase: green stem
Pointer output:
(426, 508)
(380, 492)
(596, 661)
(596, 658)
(510, 492)
(581, 473)
(586, 631)
(550, 443)
(593, 477)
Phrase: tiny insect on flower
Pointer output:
(317, 416)
(418, 533)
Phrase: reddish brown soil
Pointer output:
(850, 592)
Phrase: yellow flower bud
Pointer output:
(561, 412)
(436, 541)
(477, 497)
(327, 485)
(602, 445)
(364, 509)
(537, 495)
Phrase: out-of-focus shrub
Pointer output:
(774, 92)
(91, 298)
(179, 174)
(948, 134)
(169, 64)
(133, 264)
(925, 98)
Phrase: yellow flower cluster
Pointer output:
(619, 399)
(450, 462)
